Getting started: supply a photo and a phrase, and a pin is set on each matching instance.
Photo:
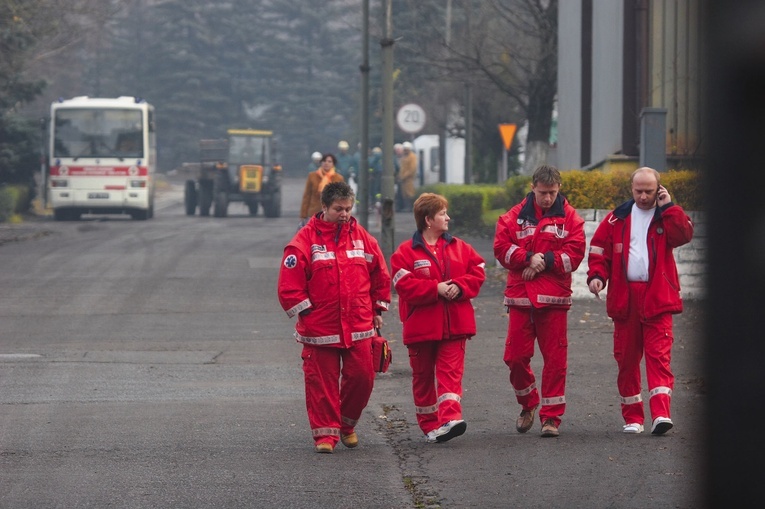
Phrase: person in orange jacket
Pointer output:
(632, 253)
(314, 184)
(541, 242)
(436, 275)
(333, 277)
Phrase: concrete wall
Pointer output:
(607, 57)
(690, 257)
(569, 85)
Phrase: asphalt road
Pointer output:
(148, 364)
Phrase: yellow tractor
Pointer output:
(238, 169)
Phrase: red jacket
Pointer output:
(559, 234)
(417, 272)
(334, 277)
(609, 251)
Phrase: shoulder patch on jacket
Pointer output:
(290, 261)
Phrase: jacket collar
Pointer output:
(625, 209)
(326, 228)
(418, 240)
(529, 214)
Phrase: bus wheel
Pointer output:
(140, 215)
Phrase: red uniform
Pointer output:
(641, 311)
(334, 278)
(435, 330)
(538, 307)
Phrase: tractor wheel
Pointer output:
(205, 198)
(190, 197)
(274, 207)
(221, 204)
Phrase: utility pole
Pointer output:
(387, 187)
(363, 169)
(468, 107)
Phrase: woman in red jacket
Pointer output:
(333, 277)
(435, 276)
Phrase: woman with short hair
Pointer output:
(436, 275)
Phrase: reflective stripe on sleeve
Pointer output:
(383, 304)
(566, 259)
(401, 273)
(510, 252)
(300, 306)
(597, 250)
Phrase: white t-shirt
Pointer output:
(637, 264)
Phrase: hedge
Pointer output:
(14, 199)
(476, 207)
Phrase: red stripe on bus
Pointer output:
(99, 171)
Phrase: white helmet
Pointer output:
(406, 145)
(316, 157)
(343, 145)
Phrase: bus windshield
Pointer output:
(93, 132)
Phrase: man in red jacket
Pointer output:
(541, 242)
(632, 252)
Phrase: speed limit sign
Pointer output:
(411, 118)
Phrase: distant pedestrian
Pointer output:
(406, 175)
(333, 277)
(345, 162)
(436, 275)
(315, 163)
(541, 242)
(314, 185)
(632, 254)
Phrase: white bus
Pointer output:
(102, 157)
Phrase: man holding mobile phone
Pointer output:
(632, 253)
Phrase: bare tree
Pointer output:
(514, 44)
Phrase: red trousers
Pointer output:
(338, 384)
(549, 327)
(437, 369)
(634, 337)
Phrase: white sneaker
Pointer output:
(661, 425)
(430, 437)
(632, 428)
(451, 429)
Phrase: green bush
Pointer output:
(7, 203)
(475, 208)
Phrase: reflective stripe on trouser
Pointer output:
(548, 326)
(437, 369)
(633, 338)
(333, 406)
